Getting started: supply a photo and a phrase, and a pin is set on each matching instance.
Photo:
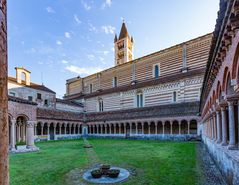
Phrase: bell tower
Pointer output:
(123, 46)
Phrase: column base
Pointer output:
(232, 147)
(224, 144)
(219, 141)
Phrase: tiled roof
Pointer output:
(123, 32)
(68, 102)
(20, 100)
(32, 85)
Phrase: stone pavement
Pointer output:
(208, 172)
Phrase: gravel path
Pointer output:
(208, 172)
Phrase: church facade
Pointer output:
(153, 96)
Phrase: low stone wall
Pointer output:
(165, 137)
(227, 160)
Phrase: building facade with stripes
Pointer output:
(119, 100)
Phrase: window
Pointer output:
(46, 102)
(39, 96)
(101, 105)
(139, 99)
(156, 71)
(115, 82)
(29, 98)
(174, 96)
(12, 94)
(91, 88)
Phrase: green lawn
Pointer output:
(151, 162)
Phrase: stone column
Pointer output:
(4, 178)
(156, 127)
(97, 127)
(42, 127)
(70, 132)
(136, 127)
(219, 130)
(78, 128)
(13, 134)
(48, 131)
(110, 128)
(214, 127)
(125, 128)
(54, 131)
(179, 129)
(65, 126)
(119, 128)
(149, 128)
(35, 129)
(30, 134)
(130, 128)
(60, 125)
(232, 128)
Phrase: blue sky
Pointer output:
(61, 39)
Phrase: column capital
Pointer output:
(31, 123)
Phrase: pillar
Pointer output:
(156, 127)
(219, 124)
(163, 123)
(101, 129)
(4, 178)
(125, 128)
(130, 128)
(149, 132)
(74, 129)
(42, 127)
(119, 128)
(70, 125)
(60, 125)
(78, 128)
(179, 130)
(136, 127)
(30, 134)
(54, 131)
(48, 131)
(114, 126)
(97, 127)
(214, 127)
(13, 134)
(110, 128)
(35, 129)
(65, 126)
(232, 128)
(224, 126)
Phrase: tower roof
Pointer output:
(123, 31)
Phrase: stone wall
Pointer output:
(227, 160)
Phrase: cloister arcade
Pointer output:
(154, 127)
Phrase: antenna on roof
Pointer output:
(42, 78)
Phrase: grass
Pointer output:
(155, 163)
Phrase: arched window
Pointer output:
(101, 105)
(115, 81)
(139, 99)
(156, 71)
(91, 88)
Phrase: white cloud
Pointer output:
(67, 35)
(107, 3)
(91, 57)
(50, 9)
(86, 6)
(101, 58)
(83, 70)
(58, 42)
(108, 29)
(105, 52)
(92, 28)
(64, 62)
(76, 18)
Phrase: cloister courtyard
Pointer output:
(149, 162)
